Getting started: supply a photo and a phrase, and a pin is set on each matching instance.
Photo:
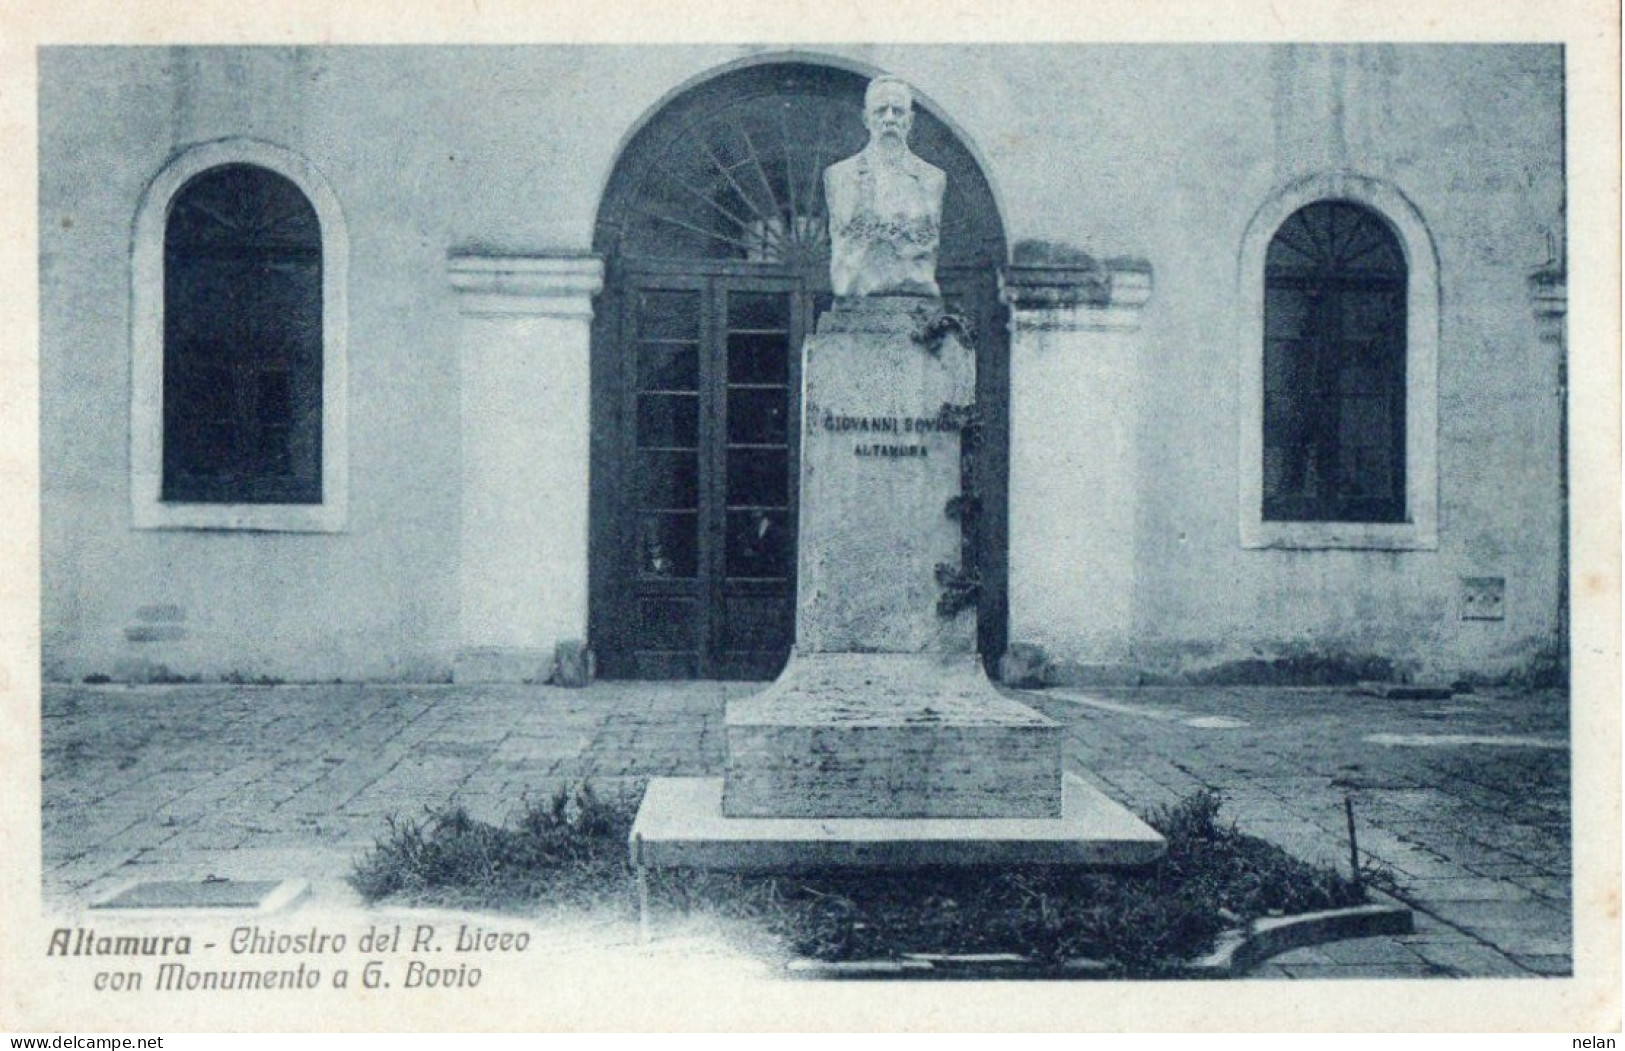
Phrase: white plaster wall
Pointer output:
(1073, 574)
(378, 600)
(525, 450)
(1472, 138)
(1161, 153)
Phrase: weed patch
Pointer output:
(568, 849)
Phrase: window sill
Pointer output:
(261, 518)
(1331, 536)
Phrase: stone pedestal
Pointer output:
(884, 710)
(889, 735)
(879, 463)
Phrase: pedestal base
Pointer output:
(852, 735)
(681, 825)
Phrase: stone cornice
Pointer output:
(532, 286)
(1076, 296)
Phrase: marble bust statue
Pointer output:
(885, 205)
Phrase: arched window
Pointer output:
(238, 375)
(1334, 368)
(1339, 350)
(242, 341)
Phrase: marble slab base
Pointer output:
(681, 825)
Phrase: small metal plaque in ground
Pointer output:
(262, 895)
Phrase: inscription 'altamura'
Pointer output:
(892, 451)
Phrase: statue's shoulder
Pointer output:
(926, 171)
(844, 169)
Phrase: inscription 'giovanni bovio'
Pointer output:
(907, 427)
(889, 424)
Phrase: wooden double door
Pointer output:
(700, 520)
(696, 474)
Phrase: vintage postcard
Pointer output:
(578, 517)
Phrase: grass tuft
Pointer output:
(568, 849)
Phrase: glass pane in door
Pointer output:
(667, 471)
(667, 478)
(757, 542)
(756, 606)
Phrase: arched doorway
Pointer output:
(716, 252)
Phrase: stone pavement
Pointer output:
(1464, 801)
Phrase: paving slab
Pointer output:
(1555, 964)
(1468, 888)
(1470, 959)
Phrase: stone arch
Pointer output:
(718, 190)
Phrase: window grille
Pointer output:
(242, 401)
(1334, 368)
